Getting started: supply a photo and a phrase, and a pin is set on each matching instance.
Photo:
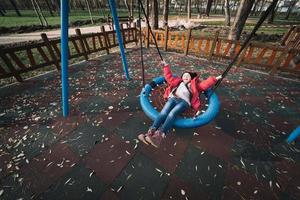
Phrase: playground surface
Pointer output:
(95, 154)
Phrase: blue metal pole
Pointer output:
(64, 5)
(294, 135)
(117, 26)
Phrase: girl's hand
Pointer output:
(163, 63)
(219, 77)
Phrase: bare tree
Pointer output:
(240, 19)
(49, 8)
(89, 9)
(216, 6)
(253, 12)
(41, 12)
(208, 7)
(292, 5)
(189, 9)
(272, 14)
(166, 12)
(127, 6)
(227, 13)
(36, 12)
(154, 13)
(13, 3)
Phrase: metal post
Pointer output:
(64, 55)
(117, 28)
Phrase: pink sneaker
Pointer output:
(141, 137)
(155, 140)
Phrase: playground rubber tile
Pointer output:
(241, 185)
(13, 188)
(131, 128)
(63, 126)
(256, 161)
(34, 142)
(286, 170)
(205, 172)
(93, 105)
(214, 141)
(108, 159)
(178, 189)
(45, 169)
(115, 96)
(141, 179)
(170, 152)
(79, 183)
(112, 119)
(109, 195)
(7, 165)
(293, 189)
(85, 137)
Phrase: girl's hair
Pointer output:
(192, 74)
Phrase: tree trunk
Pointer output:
(254, 8)
(154, 14)
(88, 7)
(127, 6)
(272, 14)
(41, 13)
(227, 13)
(208, 7)
(216, 5)
(222, 9)
(189, 9)
(166, 12)
(292, 5)
(263, 3)
(131, 7)
(13, 3)
(37, 13)
(49, 8)
(240, 19)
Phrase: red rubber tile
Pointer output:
(45, 169)
(178, 189)
(111, 120)
(107, 159)
(170, 152)
(109, 195)
(214, 141)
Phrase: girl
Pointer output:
(181, 93)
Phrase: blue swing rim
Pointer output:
(201, 120)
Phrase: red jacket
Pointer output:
(196, 86)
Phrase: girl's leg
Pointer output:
(180, 107)
(163, 113)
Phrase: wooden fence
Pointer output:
(28, 57)
(267, 56)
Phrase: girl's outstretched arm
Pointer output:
(168, 73)
(208, 83)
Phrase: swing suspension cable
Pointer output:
(258, 24)
(151, 32)
(141, 45)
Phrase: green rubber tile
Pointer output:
(141, 179)
(85, 137)
(258, 162)
(80, 183)
(13, 188)
(205, 172)
(131, 128)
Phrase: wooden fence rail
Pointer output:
(270, 57)
(28, 57)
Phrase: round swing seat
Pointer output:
(180, 122)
